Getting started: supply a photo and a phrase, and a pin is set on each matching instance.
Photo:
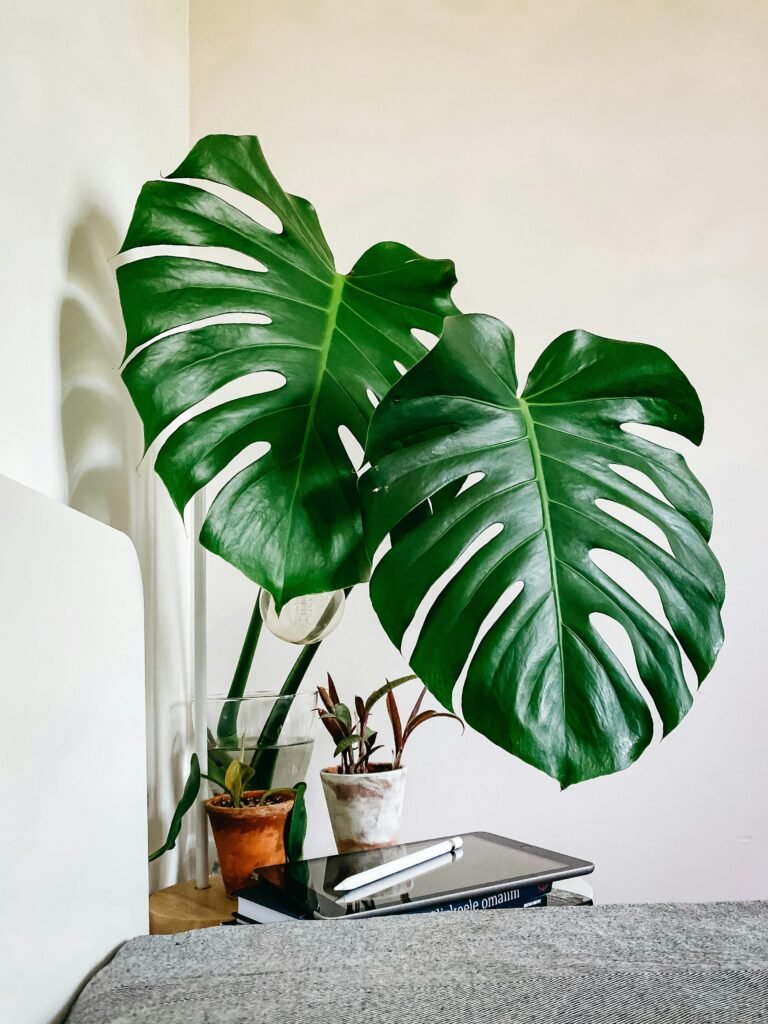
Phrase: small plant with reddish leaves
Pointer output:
(352, 733)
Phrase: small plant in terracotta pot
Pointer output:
(365, 797)
(251, 828)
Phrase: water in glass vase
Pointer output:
(288, 761)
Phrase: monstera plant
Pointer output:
(526, 485)
(212, 295)
(496, 503)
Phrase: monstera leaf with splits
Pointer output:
(290, 520)
(454, 452)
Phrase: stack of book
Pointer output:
(478, 871)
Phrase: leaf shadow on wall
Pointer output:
(102, 442)
(100, 431)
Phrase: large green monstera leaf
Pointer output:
(290, 520)
(454, 452)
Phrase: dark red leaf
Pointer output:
(394, 717)
(325, 698)
(360, 708)
(416, 707)
(333, 726)
(333, 691)
(425, 717)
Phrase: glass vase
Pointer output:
(272, 733)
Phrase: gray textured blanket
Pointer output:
(622, 964)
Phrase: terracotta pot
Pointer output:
(247, 837)
(365, 809)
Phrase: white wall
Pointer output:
(587, 164)
(93, 101)
(73, 878)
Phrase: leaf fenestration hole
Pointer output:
(641, 480)
(250, 384)
(219, 255)
(425, 338)
(632, 579)
(636, 521)
(507, 598)
(414, 626)
(381, 550)
(352, 447)
(257, 319)
(399, 367)
(616, 637)
(471, 480)
(658, 435)
(246, 204)
(250, 454)
(372, 398)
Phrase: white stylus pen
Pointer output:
(391, 867)
(398, 880)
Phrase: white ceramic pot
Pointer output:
(365, 809)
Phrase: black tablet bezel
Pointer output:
(570, 867)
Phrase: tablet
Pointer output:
(486, 863)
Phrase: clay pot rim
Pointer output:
(265, 810)
(380, 771)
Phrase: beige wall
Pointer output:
(93, 101)
(587, 164)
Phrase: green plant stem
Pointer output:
(265, 755)
(227, 727)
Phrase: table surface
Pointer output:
(183, 907)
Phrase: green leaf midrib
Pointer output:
(336, 301)
(541, 484)
(325, 345)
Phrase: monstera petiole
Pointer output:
(497, 503)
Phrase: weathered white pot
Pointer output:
(365, 809)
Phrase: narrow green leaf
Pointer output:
(376, 696)
(265, 756)
(218, 762)
(263, 799)
(227, 728)
(345, 744)
(236, 777)
(188, 797)
(343, 715)
(296, 825)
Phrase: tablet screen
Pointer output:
(484, 862)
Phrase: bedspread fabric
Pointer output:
(696, 963)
